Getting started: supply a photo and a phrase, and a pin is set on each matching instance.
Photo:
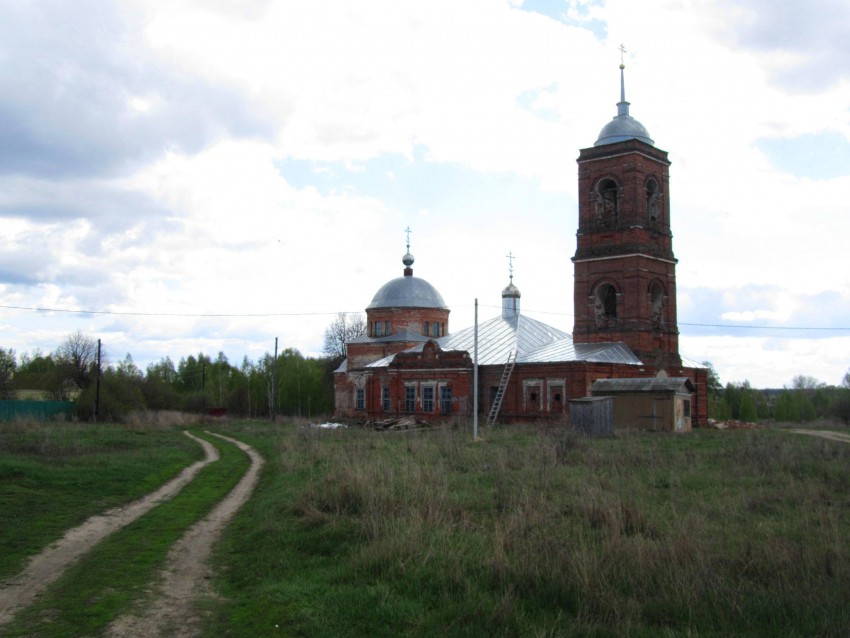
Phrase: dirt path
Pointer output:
(825, 434)
(172, 612)
(44, 568)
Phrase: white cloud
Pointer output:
(183, 203)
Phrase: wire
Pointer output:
(315, 314)
(171, 314)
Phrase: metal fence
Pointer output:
(36, 410)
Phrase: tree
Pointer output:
(716, 406)
(342, 330)
(77, 357)
(8, 363)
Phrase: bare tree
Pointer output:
(77, 356)
(343, 329)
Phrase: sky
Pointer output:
(207, 175)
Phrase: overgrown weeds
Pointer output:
(538, 532)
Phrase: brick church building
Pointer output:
(409, 363)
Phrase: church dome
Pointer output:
(407, 292)
(623, 127)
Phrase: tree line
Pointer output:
(289, 384)
(806, 399)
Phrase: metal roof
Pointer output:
(649, 384)
(404, 335)
(407, 292)
(533, 342)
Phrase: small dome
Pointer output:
(407, 292)
(511, 291)
(622, 128)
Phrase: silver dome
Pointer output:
(407, 292)
(622, 128)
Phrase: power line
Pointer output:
(316, 314)
(170, 314)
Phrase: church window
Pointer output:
(687, 408)
(379, 328)
(532, 398)
(556, 398)
(361, 399)
(607, 205)
(387, 328)
(385, 399)
(606, 306)
(435, 329)
(425, 328)
(653, 202)
(446, 399)
(428, 398)
(409, 398)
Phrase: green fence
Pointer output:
(38, 410)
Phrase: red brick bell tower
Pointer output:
(624, 268)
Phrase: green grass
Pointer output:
(116, 573)
(538, 533)
(533, 532)
(53, 476)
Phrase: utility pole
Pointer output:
(204, 385)
(97, 386)
(475, 379)
(274, 383)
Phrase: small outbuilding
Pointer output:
(658, 404)
(592, 416)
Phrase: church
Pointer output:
(625, 335)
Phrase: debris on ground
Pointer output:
(403, 423)
(328, 426)
(734, 425)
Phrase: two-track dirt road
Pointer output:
(171, 611)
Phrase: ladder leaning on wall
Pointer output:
(500, 392)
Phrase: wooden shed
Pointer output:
(656, 404)
(592, 416)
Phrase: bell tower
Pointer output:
(624, 268)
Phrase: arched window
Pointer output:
(653, 202)
(607, 204)
(656, 304)
(606, 306)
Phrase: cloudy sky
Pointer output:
(207, 175)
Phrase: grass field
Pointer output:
(532, 532)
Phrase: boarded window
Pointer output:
(446, 399)
(428, 398)
(409, 398)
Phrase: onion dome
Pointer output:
(623, 127)
(510, 300)
(407, 291)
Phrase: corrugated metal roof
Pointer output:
(649, 384)
(690, 363)
(404, 335)
(532, 340)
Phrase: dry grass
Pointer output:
(720, 531)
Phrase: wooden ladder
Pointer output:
(500, 392)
